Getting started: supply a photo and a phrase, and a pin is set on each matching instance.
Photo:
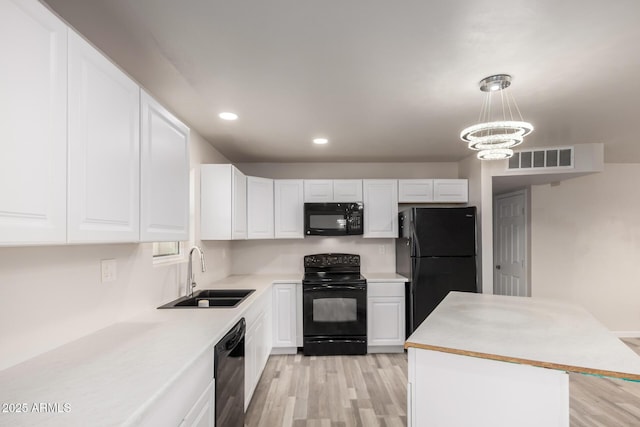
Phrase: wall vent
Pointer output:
(542, 158)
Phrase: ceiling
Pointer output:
(383, 80)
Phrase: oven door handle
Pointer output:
(325, 287)
(336, 340)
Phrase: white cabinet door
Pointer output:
(33, 124)
(259, 208)
(415, 190)
(258, 342)
(250, 365)
(202, 414)
(284, 315)
(385, 314)
(289, 208)
(380, 208)
(318, 190)
(104, 149)
(223, 202)
(164, 175)
(347, 190)
(239, 205)
(450, 190)
(255, 357)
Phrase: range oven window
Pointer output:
(335, 310)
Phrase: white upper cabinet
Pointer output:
(104, 149)
(318, 190)
(347, 190)
(451, 190)
(164, 175)
(223, 203)
(415, 190)
(289, 209)
(259, 208)
(33, 124)
(380, 208)
(432, 191)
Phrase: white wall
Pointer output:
(285, 256)
(52, 295)
(585, 242)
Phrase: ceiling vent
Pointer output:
(545, 158)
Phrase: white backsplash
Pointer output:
(285, 256)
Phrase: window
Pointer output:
(166, 249)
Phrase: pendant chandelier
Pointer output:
(497, 132)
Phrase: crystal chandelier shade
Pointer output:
(497, 132)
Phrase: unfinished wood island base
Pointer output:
(491, 360)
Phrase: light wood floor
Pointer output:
(369, 391)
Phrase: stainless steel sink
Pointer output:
(217, 298)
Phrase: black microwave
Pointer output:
(333, 219)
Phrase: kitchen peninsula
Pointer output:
(457, 370)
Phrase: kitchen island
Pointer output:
(491, 360)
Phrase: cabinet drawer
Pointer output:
(394, 289)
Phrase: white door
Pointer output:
(318, 190)
(289, 209)
(259, 208)
(415, 190)
(239, 204)
(284, 314)
(450, 190)
(164, 174)
(510, 245)
(380, 207)
(33, 124)
(104, 148)
(347, 190)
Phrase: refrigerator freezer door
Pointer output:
(431, 280)
(444, 231)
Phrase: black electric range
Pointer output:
(334, 305)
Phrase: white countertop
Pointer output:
(531, 331)
(384, 277)
(113, 376)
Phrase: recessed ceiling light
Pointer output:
(320, 141)
(228, 116)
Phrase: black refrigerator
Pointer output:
(436, 250)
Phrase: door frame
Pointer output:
(526, 193)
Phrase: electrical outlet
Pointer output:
(382, 249)
(109, 269)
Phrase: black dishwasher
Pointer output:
(229, 375)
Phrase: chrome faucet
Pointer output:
(191, 279)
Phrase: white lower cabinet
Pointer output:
(203, 412)
(257, 344)
(189, 401)
(285, 313)
(385, 317)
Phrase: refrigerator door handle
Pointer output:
(414, 239)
